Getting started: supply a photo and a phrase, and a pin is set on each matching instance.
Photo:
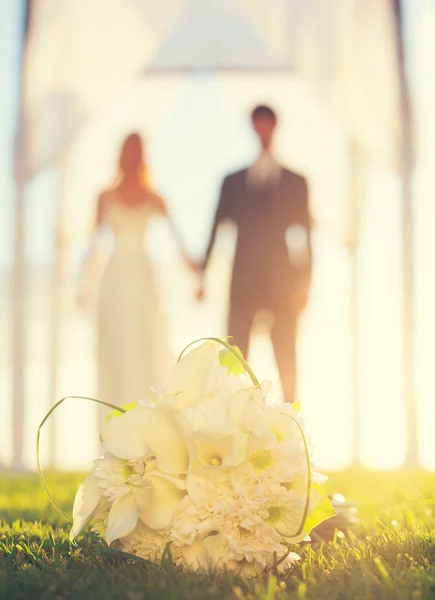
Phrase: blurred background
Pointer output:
(352, 82)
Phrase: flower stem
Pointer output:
(308, 494)
(38, 437)
(233, 350)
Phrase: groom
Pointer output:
(272, 265)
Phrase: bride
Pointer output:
(133, 349)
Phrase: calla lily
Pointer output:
(206, 555)
(223, 406)
(86, 505)
(195, 556)
(287, 519)
(124, 436)
(123, 517)
(214, 545)
(158, 500)
(201, 488)
(238, 404)
(193, 376)
(216, 448)
(164, 437)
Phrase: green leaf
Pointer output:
(233, 349)
(324, 509)
(229, 360)
(121, 411)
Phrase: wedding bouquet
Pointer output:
(207, 468)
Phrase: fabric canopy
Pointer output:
(81, 55)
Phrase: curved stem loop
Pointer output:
(38, 438)
(233, 350)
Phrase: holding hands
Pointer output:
(197, 268)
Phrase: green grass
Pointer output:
(391, 555)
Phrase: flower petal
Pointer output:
(200, 488)
(285, 428)
(124, 436)
(158, 500)
(195, 556)
(86, 504)
(164, 436)
(193, 376)
(215, 548)
(238, 404)
(287, 519)
(123, 518)
(224, 447)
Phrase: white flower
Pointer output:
(208, 467)
(158, 499)
(229, 533)
(110, 483)
(114, 474)
(124, 436)
(153, 500)
(146, 450)
(86, 505)
(218, 447)
(199, 377)
(193, 377)
(146, 542)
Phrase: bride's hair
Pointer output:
(132, 159)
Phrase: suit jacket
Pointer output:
(263, 271)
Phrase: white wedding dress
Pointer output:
(133, 348)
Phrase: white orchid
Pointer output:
(207, 466)
(145, 437)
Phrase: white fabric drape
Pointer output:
(83, 53)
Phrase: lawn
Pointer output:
(391, 555)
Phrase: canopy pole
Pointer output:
(19, 316)
(412, 454)
(56, 316)
(357, 192)
(55, 336)
(18, 332)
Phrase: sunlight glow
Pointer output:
(189, 152)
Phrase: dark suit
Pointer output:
(263, 274)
